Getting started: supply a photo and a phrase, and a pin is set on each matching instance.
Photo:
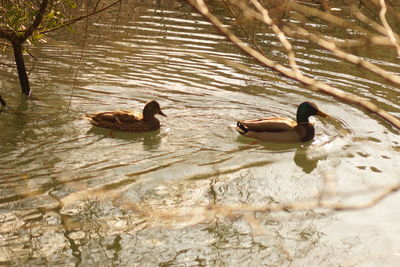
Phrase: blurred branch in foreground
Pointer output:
(185, 215)
(253, 9)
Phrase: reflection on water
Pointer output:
(308, 164)
(150, 140)
(75, 194)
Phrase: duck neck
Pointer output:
(301, 117)
(307, 132)
(149, 116)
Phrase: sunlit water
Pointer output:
(76, 195)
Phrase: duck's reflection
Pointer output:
(305, 159)
(151, 140)
(306, 156)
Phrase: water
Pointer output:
(75, 195)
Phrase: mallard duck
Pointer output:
(282, 129)
(129, 121)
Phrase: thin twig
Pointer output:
(247, 32)
(80, 58)
(244, 28)
(329, 45)
(309, 11)
(281, 36)
(74, 20)
(389, 31)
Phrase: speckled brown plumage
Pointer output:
(129, 121)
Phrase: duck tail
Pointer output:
(89, 116)
(241, 128)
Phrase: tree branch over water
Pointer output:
(32, 23)
(37, 21)
(74, 20)
(261, 14)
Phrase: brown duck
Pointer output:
(129, 121)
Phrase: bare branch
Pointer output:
(389, 31)
(281, 36)
(243, 28)
(313, 84)
(309, 11)
(297, 206)
(329, 45)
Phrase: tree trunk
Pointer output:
(19, 60)
(17, 40)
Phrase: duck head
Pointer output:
(152, 108)
(307, 109)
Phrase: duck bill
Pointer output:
(322, 114)
(161, 113)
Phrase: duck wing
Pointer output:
(275, 124)
(300, 133)
(123, 116)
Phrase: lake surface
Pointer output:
(71, 194)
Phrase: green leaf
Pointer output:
(38, 36)
(50, 15)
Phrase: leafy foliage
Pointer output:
(17, 15)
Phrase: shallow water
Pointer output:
(75, 195)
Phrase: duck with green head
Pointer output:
(127, 120)
(280, 129)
